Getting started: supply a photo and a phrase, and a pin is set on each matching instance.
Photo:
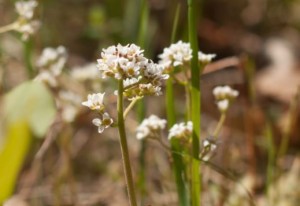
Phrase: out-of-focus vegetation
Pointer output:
(51, 154)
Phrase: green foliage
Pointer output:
(12, 155)
(32, 103)
(28, 109)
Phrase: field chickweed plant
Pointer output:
(49, 118)
(138, 77)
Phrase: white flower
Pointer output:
(68, 101)
(154, 73)
(175, 55)
(95, 101)
(26, 8)
(103, 123)
(86, 72)
(223, 105)
(25, 23)
(131, 81)
(47, 78)
(69, 113)
(225, 92)
(208, 149)
(181, 130)
(205, 58)
(150, 127)
(122, 62)
(53, 59)
(27, 28)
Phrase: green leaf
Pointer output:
(30, 102)
(12, 155)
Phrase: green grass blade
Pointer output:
(141, 110)
(195, 102)
(178, 165)
(12, 155)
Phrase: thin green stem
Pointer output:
(175, 23)
(195, 105)
(178, 165)
(291, 122)
(130, 106)
(219, 125)
(271, 159)
(27, 57)
(8, 27)
(124, 147)
(141, 110)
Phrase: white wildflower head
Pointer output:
(205, 58)
(140, 75)
(26, 8)
(28, 29)
(47, 78)
(224, 95)
(122, 62)
(86, 72)
(150, 127)
(95, 102)
(25, 24)
(225, 92)
(181, 130)
(223, 105)
(104, 122)
(209, 146)
(68, 103)
(53, 59)
(175, 55)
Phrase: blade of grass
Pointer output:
(291, 123)
(271, 159)
(195, 104)
(144, 15)
(178, 165)
(27, 57)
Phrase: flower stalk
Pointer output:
(124, 147)
(195, 106)
(8, 27)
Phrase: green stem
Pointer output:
(141, 110)
(271, 160)
(219, 125)
(178, 165)
(124, 147)
(291, 122)
(8, 27)
(27, 57)
(195, 105)
(129, 107)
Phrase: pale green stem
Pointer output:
(130, 106)
(8, 27)
(195, 105)
(219, 125)
(124, 147)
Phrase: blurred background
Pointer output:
(257, 43)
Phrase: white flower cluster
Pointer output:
(68, 102)
(86, 72)
(51, 63)
(181, 130)
(205, 58)
(208, 149)
(26, 24)
(180, 53)
(140, 75)
(95, 102)
(224, 95)
(175, 55)
(150, 127)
